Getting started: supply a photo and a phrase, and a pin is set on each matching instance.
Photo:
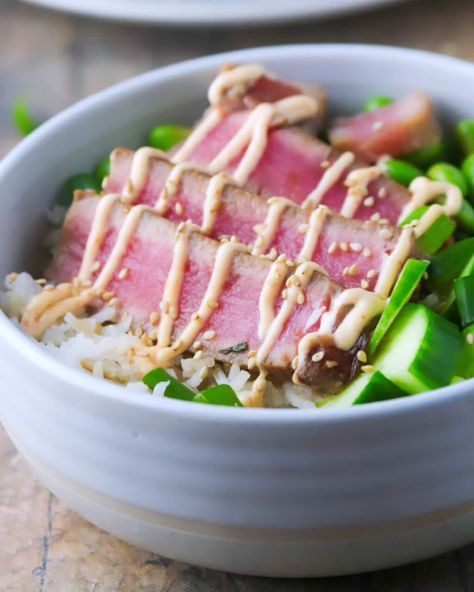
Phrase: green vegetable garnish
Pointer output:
(464, 291)
(175, 390)
(367, 388)
(22, 118)
(446, 266)
(465, 135)
(408, 280)
(81, 181)
(238, 347)
(221, 394)
(402, 172)
(465, 217)
(377, 102)
(164, 137)
(448, 173)
(102, 170)
(436, 235)
(424, 157)
(468, 170)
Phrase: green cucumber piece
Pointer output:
(166, 136)
(424, 157)
(421, 351)
(464, 292)
(465, 217)
(408, 280)
(448, 265)
(367, 388)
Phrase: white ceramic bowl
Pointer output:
(269, 492)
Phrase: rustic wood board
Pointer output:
(55, 60)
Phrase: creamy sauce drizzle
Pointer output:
(235, 81)
(357, 182)
(268, 229)
(394, 263)
(212, 201)
(330, 177)
(315, 227)
(270, 291)
(423, 192)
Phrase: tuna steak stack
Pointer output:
(252, 242)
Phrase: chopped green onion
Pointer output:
(102, 170)
(448, 265)
(466, 361)
(81, 181)
(367, 388)
(402, 172)
(22, 118)
(425, 157)
(174, 390)
(448, 173)
(468, 170)
(465, 135)
(238, 347)
(221, 394)
(164, 137)
(465, 217)
(436, 235)
(377, 102)
(464, 291)
(408, 280)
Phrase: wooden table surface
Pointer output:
(56, 59)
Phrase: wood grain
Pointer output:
(55, 59)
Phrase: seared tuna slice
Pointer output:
(198, 293)
(402, 127)
(353, 252)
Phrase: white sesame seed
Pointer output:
(367, 252)
(371, 273)
(208, 335)
(364, 284)
(369, 201)
(362, 356)
(353, 270)
(198, 355)
(197, 345)
(386, 234)
(377, 125)
(375, 217)
(325, 164)
(384, 221)
(107, 296)
(470, 338)
(382, 193)
(154, 317)
(330, 363)
(332, 247)
(123, 273)
(318, 356)
(343, 246)
(368, 369)
(356, 247)
(303, 228)
(294, 362)
(95, 266)
(300, 299)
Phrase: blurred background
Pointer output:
(54, 59)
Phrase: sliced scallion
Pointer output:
(174, 390)
(436, 235)
(464, 291)
(22, 118)
(221, 394)
(448, 265)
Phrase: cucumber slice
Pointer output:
(464, 291)
(448, 265)
(421, 350)
(367, 388)
(407, 282)
(436, 235)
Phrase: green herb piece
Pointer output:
(377, 102)
(448, 173)
(465, 135)
(221, 394)
(468, 170)
(22, 118)
(238, 347)
(425, 157)
(164, 137)
(81, 181)
(447, 265)
(465, 217)
(175, 390)
(367, 388)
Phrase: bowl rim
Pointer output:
(25, 346)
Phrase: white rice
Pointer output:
(100, 344)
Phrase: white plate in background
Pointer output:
(210, 12)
